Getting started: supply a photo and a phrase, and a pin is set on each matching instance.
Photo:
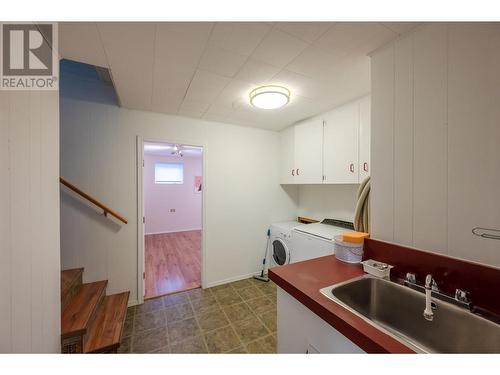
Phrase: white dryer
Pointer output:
(316, 240)
(281, 249)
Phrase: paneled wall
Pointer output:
(29, 222)
(435, 135)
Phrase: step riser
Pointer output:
(70, 291)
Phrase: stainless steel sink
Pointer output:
(397, 310)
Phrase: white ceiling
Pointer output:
(206, 70)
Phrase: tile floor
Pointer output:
(238, 317)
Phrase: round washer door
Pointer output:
(280, 253)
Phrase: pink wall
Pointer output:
(160, 198)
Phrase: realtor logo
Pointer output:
(29, 58)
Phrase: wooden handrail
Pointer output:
(91, 199)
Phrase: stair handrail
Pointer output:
(106, 209)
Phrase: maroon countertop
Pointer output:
(303, 280)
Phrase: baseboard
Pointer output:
(174, 231)
(231, 279)
(132, 303)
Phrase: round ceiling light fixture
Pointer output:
(269, 97)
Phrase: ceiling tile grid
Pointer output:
(207, 70)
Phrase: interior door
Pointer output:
(141, 267)
(308, 152)
(340, 145)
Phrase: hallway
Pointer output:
(172, 262)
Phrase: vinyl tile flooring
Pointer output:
(238, 317)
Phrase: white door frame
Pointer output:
(140, 209)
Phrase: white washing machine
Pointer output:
(281, 249)
(316, 240)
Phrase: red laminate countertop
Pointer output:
(303, 280)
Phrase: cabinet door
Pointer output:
(287, 162)
(340, 145)
(308, 152)
(364, 138)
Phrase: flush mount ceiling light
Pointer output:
(269, 97)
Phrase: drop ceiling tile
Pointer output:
(256, 72)
(206, 86)
(234, 95)
(278, 48)
(170, 86)
(307, 31)
(314, 62)
(190, 113)
(193, 106)
(129, 48)
(181, 42)
(300, 85)
(401, 27)
(239, 37)
(80, 41)
(349, 37)
(221, 61)
(348, 80)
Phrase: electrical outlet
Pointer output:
(172, 210)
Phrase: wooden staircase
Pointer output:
(91, 322)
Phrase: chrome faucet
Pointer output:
(430, 285)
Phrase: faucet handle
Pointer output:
(462, 296)
(411, 278)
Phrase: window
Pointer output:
(169, 173)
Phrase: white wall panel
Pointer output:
(30, 266)
(382, 149)
(447, 111)
(430, 138)
(473, 135)
(403, 141)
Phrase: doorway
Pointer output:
(172, 186)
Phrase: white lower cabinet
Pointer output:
(302, 331)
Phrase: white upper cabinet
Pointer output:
(340, 145)
(287, 165)
(364, 138)
(333, 148)
(308, 152)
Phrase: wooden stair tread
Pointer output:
(105, 333)
(82, 307)
(68, 278)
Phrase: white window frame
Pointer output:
(168, 182)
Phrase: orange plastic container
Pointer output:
(354, 237)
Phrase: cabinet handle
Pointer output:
(297, 171)
(293, 172)
(365, 166)
(351, 168)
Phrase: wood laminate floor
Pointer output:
(172, 262)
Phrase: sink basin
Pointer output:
(397, 310)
